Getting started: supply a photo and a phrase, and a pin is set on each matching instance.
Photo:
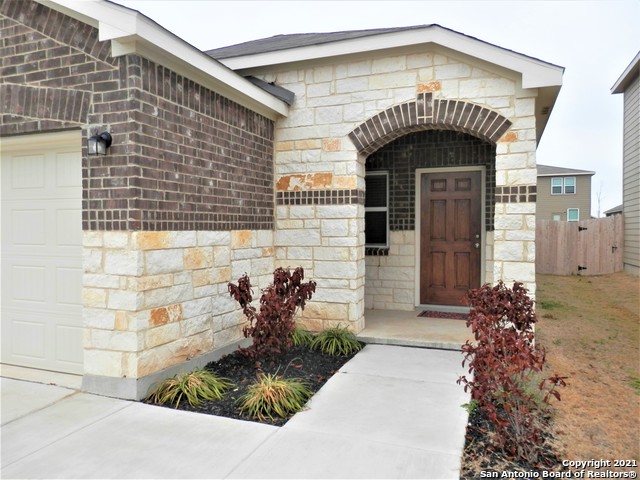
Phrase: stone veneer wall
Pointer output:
(182, 203)
(154, 300)
(347, 110)
(390, 278)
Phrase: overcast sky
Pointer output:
(594, 40)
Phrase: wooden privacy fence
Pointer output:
(589, 247)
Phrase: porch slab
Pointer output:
(405, 328)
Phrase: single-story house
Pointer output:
(564, 194)
(617, 210)
(397, 166)
(629, 85)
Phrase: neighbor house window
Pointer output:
(569, 185)
(557, 217)
(573, 214)
(376, 210)
(563, 185)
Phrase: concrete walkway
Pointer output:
(391, 412)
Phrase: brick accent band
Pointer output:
(425, 113)
(519, 194)
(376, 251)
(321, 197)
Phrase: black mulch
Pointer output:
(480, 458)
(314, 367)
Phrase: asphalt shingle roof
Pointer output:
(284, 42)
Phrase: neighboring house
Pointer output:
(564, 194)
(116, 266)
(628, 85)
(617, 210)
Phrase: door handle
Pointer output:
(477, 245)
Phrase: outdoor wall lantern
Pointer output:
(98, 144)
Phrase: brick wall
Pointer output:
(50, 66)
(430, 149)
(201, 161)
(183, 157)
(181, 205)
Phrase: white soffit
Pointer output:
(535, 73)
(131, 32)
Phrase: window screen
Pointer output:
(376, 191)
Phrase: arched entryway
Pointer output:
(430, 201)
(428, 113)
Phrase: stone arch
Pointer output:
(426, 113)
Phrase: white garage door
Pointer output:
(41, 255)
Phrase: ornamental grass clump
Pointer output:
(274, 396)
(301, 337)
(195, 387)
(336, 341)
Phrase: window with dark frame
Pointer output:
(376, 210)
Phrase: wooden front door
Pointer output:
(450, 209)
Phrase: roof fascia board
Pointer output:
(535, 73)
(132, 33)
(566, 174)
(632, 70)
(547, 97)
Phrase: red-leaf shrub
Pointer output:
(273, 326)
(504, 361)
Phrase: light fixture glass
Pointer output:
(98, 144)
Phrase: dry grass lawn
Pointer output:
(590, 328)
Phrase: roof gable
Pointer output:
(549, 171)
(131, 32)
(266, 55)
(630, 73)
(282, 49)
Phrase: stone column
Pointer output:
(320, 226)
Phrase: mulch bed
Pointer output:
(313, 367)
(479, 457)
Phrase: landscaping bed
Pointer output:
(479, 458)
(313, 367)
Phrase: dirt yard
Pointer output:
(590, 327)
